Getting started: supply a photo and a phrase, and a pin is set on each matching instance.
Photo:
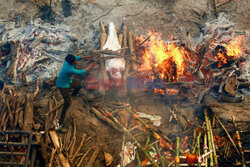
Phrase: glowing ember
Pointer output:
(172, 91)
(160, 91)
(167, 58)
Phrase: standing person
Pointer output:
(64, 83)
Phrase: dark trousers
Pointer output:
(67, 100)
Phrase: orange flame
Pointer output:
(233, 50)
(167, 58)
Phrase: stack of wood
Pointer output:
(17, 110)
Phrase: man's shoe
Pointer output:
(56, 124)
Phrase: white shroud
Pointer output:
(116, 65)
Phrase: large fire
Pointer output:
(166, 58)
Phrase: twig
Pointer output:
(104, 14)
(80, 162)
(136, 13)
(79, 147)
(143, 42)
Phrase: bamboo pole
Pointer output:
(198, 148)
(205, 148)
(177, 158)
(213, 145)
(134, 139)
(239, 143)
(138, 159)
(228, 135)
(209, 139)
(159, 154)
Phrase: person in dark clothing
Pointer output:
(64, 83)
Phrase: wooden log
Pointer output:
(127, 65)
(105, 119)
(54, 139)
(63, 160)
(20, 119)
(131, 43)
(120, 38)
(93, 158)
(103, 40)
(10, 114)
(16, 117)
(28, 112)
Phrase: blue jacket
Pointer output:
(64, 78)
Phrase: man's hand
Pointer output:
(90, 66)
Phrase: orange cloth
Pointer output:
(192, 159)
(157, 137)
